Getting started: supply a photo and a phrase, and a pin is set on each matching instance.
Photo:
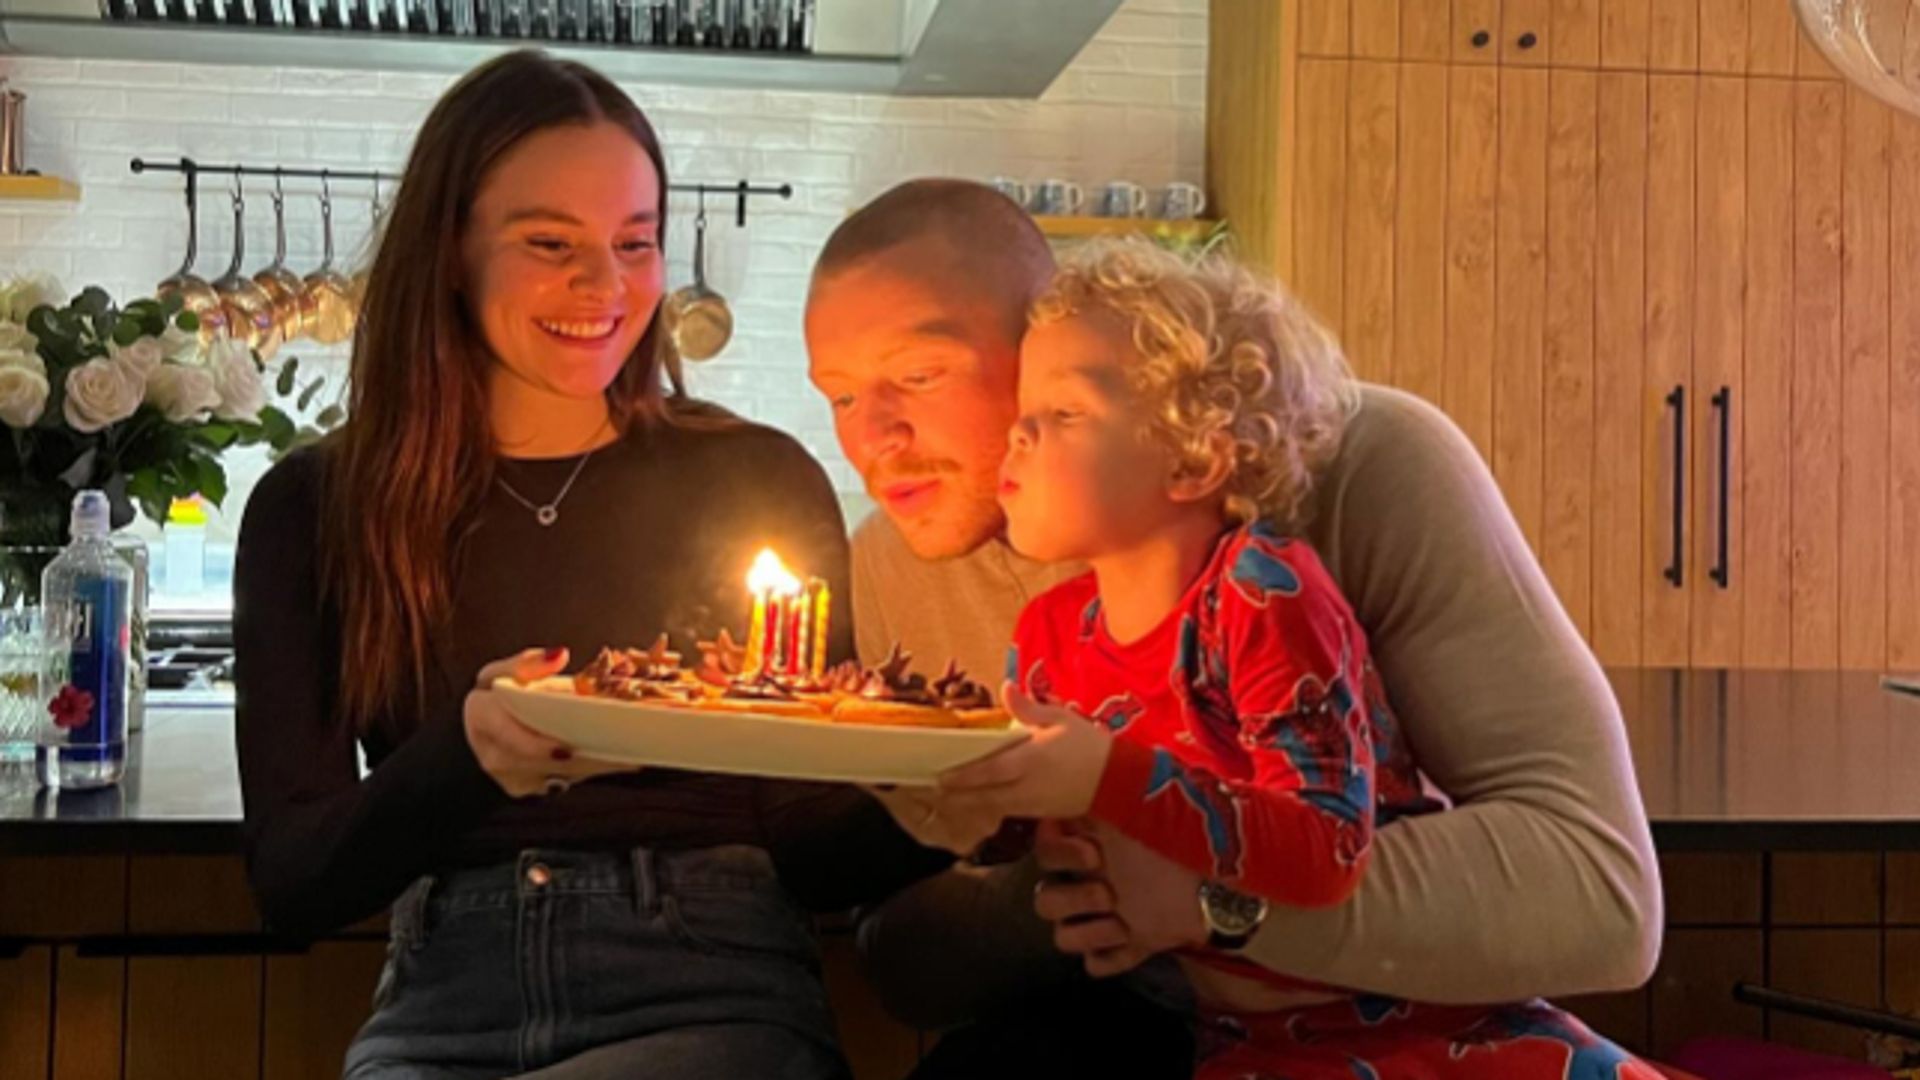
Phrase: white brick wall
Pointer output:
(1131, 106)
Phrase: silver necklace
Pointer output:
(548, 513)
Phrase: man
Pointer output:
(1541, 881)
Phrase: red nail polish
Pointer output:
(554, 654)
(561, 753)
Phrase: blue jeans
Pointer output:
(571, 965)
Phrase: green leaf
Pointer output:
(80, 474)
(93, 301)
(209, 479)
(172, 304)
(187, 321)
(216, 434)
(279, 429)
(330, 417)
(127, 331)
(41, 323)
(288, 372)
(307, 395)
(146, 488)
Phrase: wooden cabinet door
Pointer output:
(175, 1003)
(1522, 33)
(26, 1012)
(1668, 285)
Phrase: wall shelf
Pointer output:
(1075, 228)
(43, 188)
(932, 48)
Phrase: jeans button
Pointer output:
(538, 875)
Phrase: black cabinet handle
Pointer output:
(1838, 1012)
(1677, 401)
(1723, 405)
(1481, 38)
(1528, 40)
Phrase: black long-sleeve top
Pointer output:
(655, 535)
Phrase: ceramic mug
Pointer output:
(1123, 199)
(1058, 198)
(1179, 201)
(1013, 189)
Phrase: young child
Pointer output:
(1171, 421)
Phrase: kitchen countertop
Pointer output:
(1745, 760)
(1725, 759)
(181, 796)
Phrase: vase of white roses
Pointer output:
(128, 399)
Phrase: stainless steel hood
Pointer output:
(937, 48)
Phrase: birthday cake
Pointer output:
(848, 693)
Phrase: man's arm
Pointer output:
(1542, 879)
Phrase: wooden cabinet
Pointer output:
(1519, 32)
(1666, 279)
(1725, 37)
(143, 967)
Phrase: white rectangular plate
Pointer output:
(748, 744)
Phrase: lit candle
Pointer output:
(777, 634)
(772, 587)
(756, 631)
(822, 604)
(803, 632)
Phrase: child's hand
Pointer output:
(1052, 775)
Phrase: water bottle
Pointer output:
(87, 595)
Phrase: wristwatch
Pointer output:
(1231, 917)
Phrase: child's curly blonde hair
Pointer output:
(1222, 350)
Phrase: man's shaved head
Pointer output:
(914, 321)
(957, 233)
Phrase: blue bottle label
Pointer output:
(97, 665)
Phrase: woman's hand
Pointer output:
(521, 760)
(1054, 774)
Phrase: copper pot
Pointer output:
(282, 286)
(195, 293)
(247, 306)
(333, 315)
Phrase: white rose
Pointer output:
(23, 388)
(182, 393)
(14, 337)
(100, 393)
(180, 346)
(20, 295)
(242, 392)
(143, 356)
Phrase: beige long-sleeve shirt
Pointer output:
(1540, 881)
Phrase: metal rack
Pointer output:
(740, 190)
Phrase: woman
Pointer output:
(514, 473)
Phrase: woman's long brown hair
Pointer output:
(407, 473)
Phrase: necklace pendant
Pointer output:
(547, 515)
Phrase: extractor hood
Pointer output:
(938, 48)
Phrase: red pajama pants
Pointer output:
(1379, 1039)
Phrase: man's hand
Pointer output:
(1113, 902)
(937, 820)
(1054, 774)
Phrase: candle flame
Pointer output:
(770, 575)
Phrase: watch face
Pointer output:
(1233, 913)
